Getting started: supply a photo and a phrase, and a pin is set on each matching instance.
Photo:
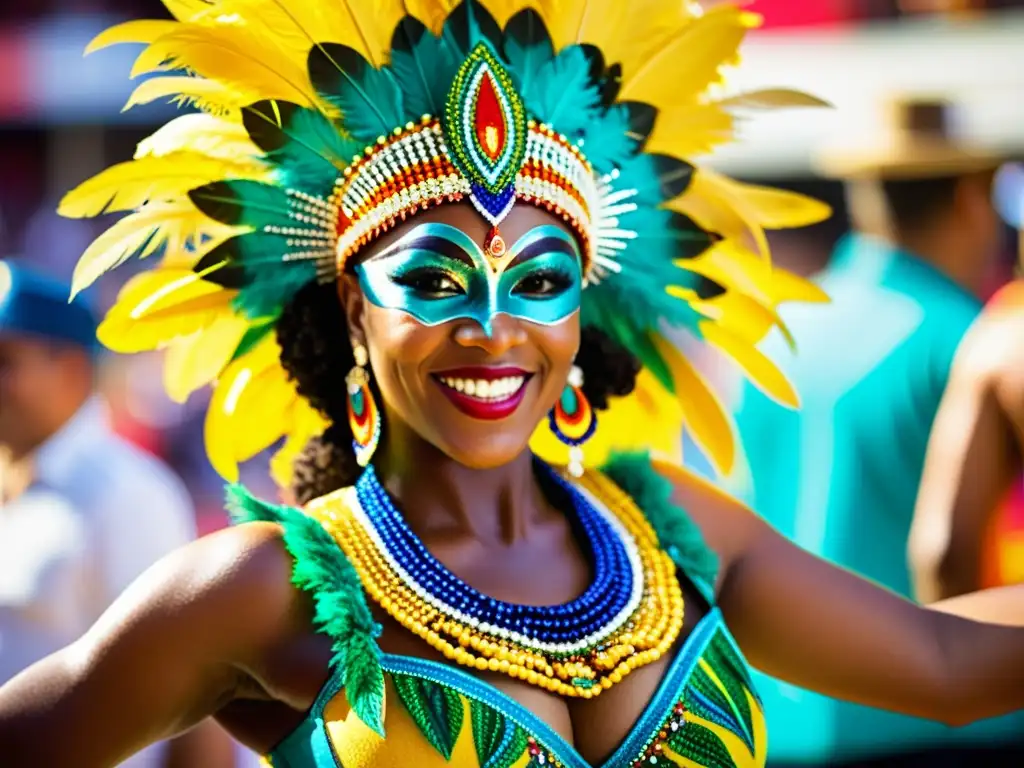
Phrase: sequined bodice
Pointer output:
(703, 714)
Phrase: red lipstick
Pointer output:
(486, 393)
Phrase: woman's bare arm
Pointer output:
(820, 627)
(167, 653)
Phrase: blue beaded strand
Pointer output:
(605, 599)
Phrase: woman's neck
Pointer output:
(436, 493)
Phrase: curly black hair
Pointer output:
(317, 354)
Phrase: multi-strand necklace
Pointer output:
(629, 616)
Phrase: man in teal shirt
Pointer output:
(840, 476)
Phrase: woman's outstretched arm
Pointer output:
(169, 652)
(820, 627)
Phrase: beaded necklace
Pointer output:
(629, 616)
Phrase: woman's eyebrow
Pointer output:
(440, 245)
(542, 246)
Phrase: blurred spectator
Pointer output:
(82, 512)
(840, 476)
(976, 451)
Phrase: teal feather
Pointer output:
(303, 144)
(606, 139)
(678, 535)
(564, 96)
(424, 67)
(528, 49)
(342, 613)
(657, 178)
(369, 98)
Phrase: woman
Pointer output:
(446, 597)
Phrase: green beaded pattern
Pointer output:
(459, 122)
(436, 709)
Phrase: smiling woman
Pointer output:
(412, 240)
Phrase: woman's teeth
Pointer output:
(496, 389)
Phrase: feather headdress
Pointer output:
(321, 124)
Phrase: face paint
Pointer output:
(437, 273)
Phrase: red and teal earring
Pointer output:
(363, 414)
(573, 420)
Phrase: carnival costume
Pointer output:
(322, 126)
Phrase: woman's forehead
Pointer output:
(463, 216)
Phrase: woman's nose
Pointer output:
(498, 335)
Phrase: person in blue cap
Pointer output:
(82, 511)
(840, 476)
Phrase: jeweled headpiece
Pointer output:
(322, 124)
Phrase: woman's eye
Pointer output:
(542, 284)
(430, 283)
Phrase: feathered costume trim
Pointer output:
(342, 611)
(237, 200)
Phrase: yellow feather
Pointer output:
(728, 263)
(777, 208)
(185, 10)
(787, 286)
(771, 98)
(759, 368)
(740, 315)
(306, 423)
(207, 95)
(174, 225)
(695, 57)
(702, 411)
(253, 384)
(234, 54)
(140, 31)
(156, 307)
(631, 33)
(134, 183)
(688, 130)
(564, 18)
(431, 12)
(711, 203)
(197, 360)
(205, 134)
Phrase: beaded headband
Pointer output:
(331, 122)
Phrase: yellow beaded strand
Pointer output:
(647, 635)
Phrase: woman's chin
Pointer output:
(486, 452)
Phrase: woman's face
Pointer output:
(469, 352)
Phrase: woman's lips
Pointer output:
(484, 393)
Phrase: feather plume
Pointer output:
(503, 10)
(564, 19)
(761, 371)
(563, 95)
(771, 98)
(689, 130)
(424, 66)
(470, 23)
(306, 423)
(696, 56)
(703, 412)
(186, 10)
(307, 149)
(194, 361)
(207, 95)
(431, 13)
(168, 227)
(369, 99)
(235, 55)
(140, 31)
(205, 134)
(156, 307)
(134, 183)
(528, 49)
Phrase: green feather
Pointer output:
(342, 613)
(528, 49)
(678, 535)
(369, 98)
(564, 95)
(307, 149)
(468, 24)
(607, 142)
(424, 67)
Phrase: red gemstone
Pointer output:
(489, 120)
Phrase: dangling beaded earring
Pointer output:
(363, 415)
(573, 420)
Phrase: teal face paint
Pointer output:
(437, 273)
